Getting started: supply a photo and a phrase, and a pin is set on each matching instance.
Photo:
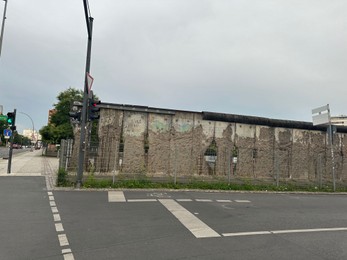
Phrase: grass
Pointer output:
(100, 183)
(142, 182)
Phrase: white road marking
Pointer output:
(309, 230)
(283, 232)
(198, 228)
(63, 240)
(203, 200)
(68, 257)
(237, 234)
(142, 200)
(67, 253)
(116, 196)
(184, 200)
(56, 217)
(242, 201)
(223, 200)
(59, 227)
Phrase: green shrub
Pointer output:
(62, 180)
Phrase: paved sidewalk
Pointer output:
(32, 164)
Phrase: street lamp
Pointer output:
(32, 122)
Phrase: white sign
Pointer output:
(90, 81)
(321, 115)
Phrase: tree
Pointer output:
(60, 126)
(3, 125)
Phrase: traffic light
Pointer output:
(11, 119)
(75, 112)
(93, 109)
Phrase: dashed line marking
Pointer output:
(63, 240)
(66, 251)
(198, 228)
(223, 201)
(56, 217)
(142, 200)
(59, 227)
(69, 256)
(184, 200)
(116, 196)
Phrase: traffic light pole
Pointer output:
(11, 145)
(82, 147)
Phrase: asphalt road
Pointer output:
(5, 151)
(39, 224)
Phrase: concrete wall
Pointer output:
(157, 143)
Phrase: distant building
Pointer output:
(339, 120)
(32, 135)
(51, 112)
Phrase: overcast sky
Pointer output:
(270, 58)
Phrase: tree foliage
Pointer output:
(60, 126)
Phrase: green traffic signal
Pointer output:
(10, 118)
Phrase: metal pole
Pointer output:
(82, 145)
(3, 25)
(332, 154)
(32, 122)
(11, 145)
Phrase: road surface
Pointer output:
(40, 222)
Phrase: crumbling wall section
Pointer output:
(177, 144)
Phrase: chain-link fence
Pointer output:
(231, 164)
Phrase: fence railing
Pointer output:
(179, 164)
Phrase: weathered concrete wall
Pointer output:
(159, 143)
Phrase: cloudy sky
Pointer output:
(270, 58)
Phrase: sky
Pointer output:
(271, 58)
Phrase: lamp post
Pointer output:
(3, 25)
(32, 122)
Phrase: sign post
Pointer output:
(321, 116)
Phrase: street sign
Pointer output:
(3, 118)
(7, 133)
(321, 115)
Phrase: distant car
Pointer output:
(17, 146)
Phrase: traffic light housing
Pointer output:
(93, 109)
(11, 119)
(75, 112)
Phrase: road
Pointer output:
(4, 151)
(39, 223)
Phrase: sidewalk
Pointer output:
(32, 164)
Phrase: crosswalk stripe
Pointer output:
(116, 196)
(198, 228)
